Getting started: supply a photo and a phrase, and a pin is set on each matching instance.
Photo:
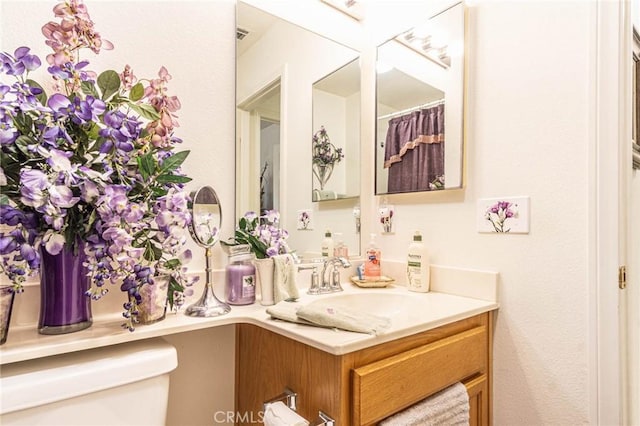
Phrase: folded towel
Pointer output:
(278, 414)
(287, 311)
(284, 278)
(343, 318)
(329, 317)
(449, 407)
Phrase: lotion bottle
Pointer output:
(418, 265)
(327, 244)
(372, 260)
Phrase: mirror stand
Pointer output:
(208, 305)
(205, 224)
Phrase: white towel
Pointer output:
(330, 317)
(344, 318)
(449, 407)
(287, 311)
(284, 278)
(278, 414)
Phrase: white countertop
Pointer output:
(436, 308)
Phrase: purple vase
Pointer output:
(64, 306)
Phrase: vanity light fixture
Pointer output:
(352, 8)
(430, 45)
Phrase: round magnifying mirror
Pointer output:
(206, 219)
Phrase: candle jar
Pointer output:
(240, 286)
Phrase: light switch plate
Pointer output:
(305, 222)
(503, 215)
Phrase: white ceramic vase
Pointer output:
(264, 277)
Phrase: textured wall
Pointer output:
(527, 134)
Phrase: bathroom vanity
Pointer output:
(367, 385)
(436, 340)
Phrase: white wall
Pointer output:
(195, 41)
(527, 134)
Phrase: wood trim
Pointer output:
(478, 390)
(383, 387)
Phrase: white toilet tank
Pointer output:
(120, 385)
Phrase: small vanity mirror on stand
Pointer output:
(205, 229)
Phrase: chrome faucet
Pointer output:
(331, 283)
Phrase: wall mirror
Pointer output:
(283, 70)
(336, 138)
(420, 106)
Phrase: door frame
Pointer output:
(609, 162)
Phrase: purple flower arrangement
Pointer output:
(262, 233)
(324, 152)
(94, 162)
(499, 213)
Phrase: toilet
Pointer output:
(125, 384)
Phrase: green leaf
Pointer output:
(174, 161)
(42, 97)
(137, 92)
(173, 263)
(147, 165)
(24, 123)
(109, 83)
(146, 111)
(94, 131)
(22, 142)
(173, 179)
(4, 199)
(88, 88)
(174, 286)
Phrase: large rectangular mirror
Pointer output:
(419, 103)
(336, 137)
(280, 68)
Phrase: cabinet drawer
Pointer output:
(391, 384)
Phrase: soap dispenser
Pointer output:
(372, 260)
(418, 265)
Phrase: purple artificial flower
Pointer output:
(8, 244)
(88, 191)
(53, 242)
(87, 110)
(21, 61)
(11, 216)
(68, 70)
(272, 251)
(62, 196)
(60, 104)
(33, 182)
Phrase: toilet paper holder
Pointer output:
(290, 399)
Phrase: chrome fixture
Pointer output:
(331, 283)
